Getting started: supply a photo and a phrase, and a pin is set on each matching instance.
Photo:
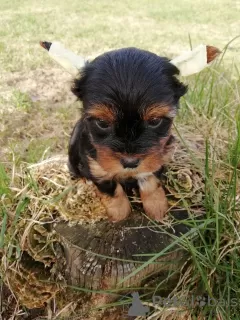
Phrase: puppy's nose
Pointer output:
(130, 162)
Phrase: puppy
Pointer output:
(130, 98)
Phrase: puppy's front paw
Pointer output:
(155, 204)
(118, 206)
(153, 198)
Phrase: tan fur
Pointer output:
(108, 166)
(103, 112)
(97, 171)
(156, 111)
(108, 160)
(153, 198)
(118, 206)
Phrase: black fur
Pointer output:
(129, 80)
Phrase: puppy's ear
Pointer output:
(79, 84)
(74, 150)
(78, 87)
(79, 148)
(180, 89)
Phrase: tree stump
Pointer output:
(100, 256)
(66, 238)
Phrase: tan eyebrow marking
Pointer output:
(158, 111)
(103, 112)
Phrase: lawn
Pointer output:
(92, 27)
(38, 112)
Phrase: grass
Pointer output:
(92, 27)
(21, 101)
(212, 105)
(32, 130)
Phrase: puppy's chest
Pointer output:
(134, 182)
(130, 186)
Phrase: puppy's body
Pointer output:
(130, 98)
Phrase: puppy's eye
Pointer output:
(155, 122)
(102, 124)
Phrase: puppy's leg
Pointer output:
(114, 199)
(110, 192)
(153, 197)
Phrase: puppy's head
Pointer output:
(130, 98)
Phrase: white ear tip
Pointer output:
(194, 61)
(66, 58)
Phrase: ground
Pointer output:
(38, 110)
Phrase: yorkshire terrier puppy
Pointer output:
(130, 98)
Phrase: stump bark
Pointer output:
(100, 256)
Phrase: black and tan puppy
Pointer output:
(130, 98)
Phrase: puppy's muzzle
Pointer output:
(130, 162)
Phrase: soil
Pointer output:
(40, 117)
(45, 85)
